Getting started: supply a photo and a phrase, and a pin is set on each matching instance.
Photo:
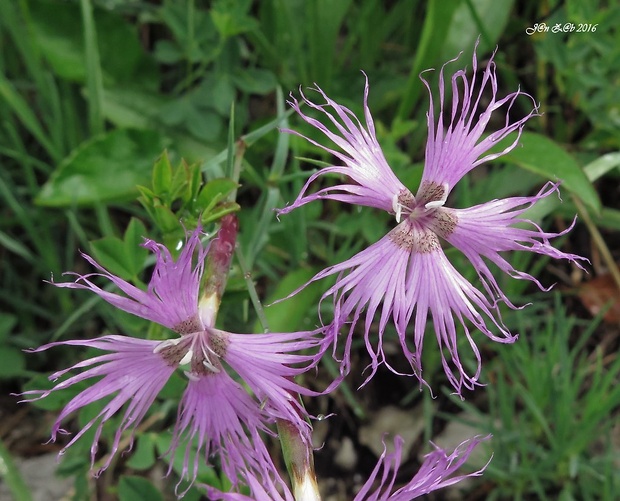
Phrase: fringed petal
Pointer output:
(374, 183)
(437, 471)
(172, 294)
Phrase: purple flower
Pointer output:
(406, 276)
(216, 412)
(437, 471)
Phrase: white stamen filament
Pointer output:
(190, 376)
(397, 207)
(435, 204)
(166, 343)
(187, 358)
(206, 352)
(207, 363)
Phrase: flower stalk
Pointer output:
(299, 460)
(217, 266)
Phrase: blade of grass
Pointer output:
(436, 24)
(29, 120)
(94, 81)
(12, 476)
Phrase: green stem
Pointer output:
(599, 241)
(247, 275)
(299, 460)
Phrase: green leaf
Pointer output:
(230, 18)
(55, 400)
(59, 33)
(202, 124)
(143, 455)
(486, 19)
(124, 258)
(27, 117)
(543, 156)
(110, 253)
(103, 169)
(206, 474)
(7, 322)
(291, 314)
(165, 219)
(167, 52)
(162, 175)
(12, 477)
(255, 80)
(216, 91)
(132, 240)
(13, 362)
(602, 165)
(127, 108)
(132, 488)
(213, 192)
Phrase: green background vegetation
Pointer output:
(91, 94)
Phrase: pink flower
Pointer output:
(406, 276)
(438, 470)
(216, 412)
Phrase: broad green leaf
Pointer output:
(7, 322)
(59, 32)
(128, 108)
(255, 80)
(132, 240)
(230, 18)
(143, 455)
(203, 124)
(291, 314)
(216, 92)
(486, 19)
(540, 154)
(167, 52)
(12, 363)
(105, 168)
(110, 253)
(132, 488)
(124, 258)
(213, 192)
(56, 399)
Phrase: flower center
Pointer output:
(425, 220)
(201, 351)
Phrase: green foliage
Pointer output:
(543, 156)
(92, 92)
(132, 488)
(548, 411)
(125, 257)
(106, 168)
(12, 477)
(13, 360)
(179, 194)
